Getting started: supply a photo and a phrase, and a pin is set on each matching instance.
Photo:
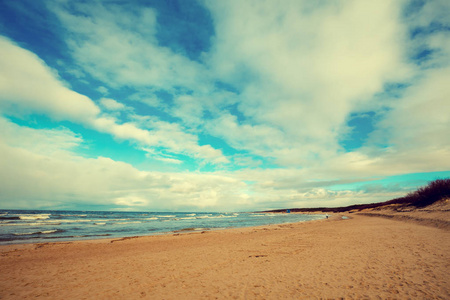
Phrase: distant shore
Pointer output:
(434, 215)
(353, 257)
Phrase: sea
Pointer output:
(37, 226)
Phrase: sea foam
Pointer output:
(34, 217)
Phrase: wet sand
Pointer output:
(361, 257)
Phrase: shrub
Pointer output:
(434, 191)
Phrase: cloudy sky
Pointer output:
(221, 105)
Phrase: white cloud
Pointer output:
(60, 178)
(102, 90)
(111, 104)
(28, 85)
(304, 68)
(189, 109)
(297, 71)
(119, 47)
(38, 178)
(432, 11)
(131, 201)
(259, 139)
(58, 141)
(173, 136)
(161, 157)
(44, 93)
(307, 66)
(421, 118)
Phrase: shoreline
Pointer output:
(168, 233)
(360, 257)
(65, 227)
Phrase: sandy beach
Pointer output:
(361, 257)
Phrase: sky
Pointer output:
(221, 105)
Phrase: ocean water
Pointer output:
(22, 226)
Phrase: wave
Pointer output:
(34, 217)
(46, 223)
(31, 224)
(210, 217)
(132, 222)
(69, 215)
(39, 232)
(76, 221)
(262, 215)
(222, 216)
(38, 225)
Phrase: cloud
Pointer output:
(276, 90)
(36, 177)
(111, 104)
(61, 179)
(161, 156)
(173, 137)
(430, 12)
(28, 85)
(308, 66)
(124, 50)
(53, 170)
(161, 134)
(259, 139)
(59, 141)
(45, 93)
(131, 201)
(421, 118)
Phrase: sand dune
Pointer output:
(435, 215)
(360, 257)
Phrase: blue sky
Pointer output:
(221, 105)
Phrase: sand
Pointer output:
(358, 258)
(436, 215)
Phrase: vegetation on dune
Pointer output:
(427, 195)
(424, 196)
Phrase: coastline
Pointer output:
(40, 226)
(358, 257)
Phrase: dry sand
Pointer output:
(358, 258)
(436, 215)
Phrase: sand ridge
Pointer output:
(359, 257)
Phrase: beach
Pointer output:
(355, 257)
